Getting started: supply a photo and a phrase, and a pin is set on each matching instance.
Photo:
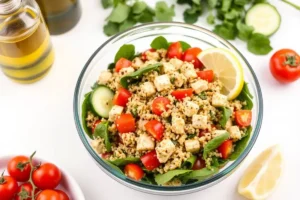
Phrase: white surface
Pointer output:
(40, 116)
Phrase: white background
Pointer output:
(40, 116)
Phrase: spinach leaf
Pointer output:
(184, 45)
(111, 28)
(218, 162)
(126, 51)
(226, 5)
(226, 30)
(189, 163)
(101, 130)
(259, 44)
(200, 174)
(139, 7)
(244, 31)
(127, 79)
(241, 145)
(111, 66)
(246, 96)
(163, 12)
(164, 178)
(119, 14)
(84, 110)
(107, 3)
(226, 113)
(214, 143)
(148, 179)
(128, 23)
(113, 167)
(124, 161)
(191, 15)
(160, 43)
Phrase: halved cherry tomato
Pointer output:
(121, 98)
(199, 164)
(155, 128)
(174, 50)
(134, 171)
(125, 123)
(144, 55)
(24, 192)
(159, 105)
(225, 148)
(95, 125)
(243, 117)
(48, 195)
(19, 168)
(106, 155)
(190, 55)
(62, 195)
(182, 93)
(207, 75)
(122, 63)
(150, 160)
(8, 187)
(47, 176)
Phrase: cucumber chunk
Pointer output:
(101, 101)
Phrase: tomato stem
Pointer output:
(24, 194)
(291, 60)
(30, 178)
(2, 180)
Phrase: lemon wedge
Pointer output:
(227, 69)
(262, 176)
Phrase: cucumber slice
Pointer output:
(264, 18)
(101, 100)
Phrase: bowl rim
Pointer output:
(157, 188)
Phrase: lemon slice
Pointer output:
(227, 69)
(262, 176)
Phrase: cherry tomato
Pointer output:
(47, 176)
(19, 168)
(24, 192)
(155, 128)
(207, 75)
(243, 117)
(225, 148)
(8, 187)
(134, 171)
(160, 104)
(199, 164)
(190, 55)
(182, 93)
(285, 65)
(125, 123)
(95, 125)
(144, 55)
(48, 195)
(121, 98)
(122, 63)
(106, 155)
(174, 50)
(150, 160)
(62, 195)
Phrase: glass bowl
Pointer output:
(141, 37)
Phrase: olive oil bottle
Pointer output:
(26, 53)
(60, 15)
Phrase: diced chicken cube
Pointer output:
(137, 62)
(176, 63)
(148, 88)
(152, 55)
(199, 121)
(164, 150)
(219, 100)
(126, 70)
(104, 77)
(216, 133)
(190, 108)
(162, 82)
(189, 71)
(114, 112)
(141, 124)
(200, 86)
(168, 67)
(179, 79)
(178, 125)
(235, 133)
(192, 145)
(144, 143)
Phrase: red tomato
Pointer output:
(207, 75)
(159, 105)
(19, 168)
(8, 187)
(122, 63)
(150, 160)
(174, 50)
(125, 123)
(121, 98)
(243, 117)
(225, 148)
(106, 155)
(24, 192)
(285, 65)
(95, 125)
(134, 171)
(155, 128)
(62, 195)
(47, 176)
(144, 55)
(199, 164)
(182, 93)
(190, 55)
(48, 195)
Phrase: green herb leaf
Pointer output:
(119, 14)
(197, 2)
(212, 3)
(244, 31)
(164, 178)
(84, 110)
(218, 162)
(210, 18)
(128, 23)
(127, 79)
(200, 174)
(145, 16)
(139, 7)
(226, 5)
(214, 143)
(107, 3)
(259, 44)
(163, 12)
(111, 28)
(149, 179)
(246, 96)
(111, 66)
(184, 45)
(241, 145)
(260, 1)
(241, 2)
(189, 163)
(232, 14)
(101, 130)
(126, 51)
(203, 95)
(226, 30)
(160, 43)
(226, 114)
(191, 15)
(125, 161)
(113, 166)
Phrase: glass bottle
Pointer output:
(26, 53)
(60, 15)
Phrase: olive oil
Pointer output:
(26, 53)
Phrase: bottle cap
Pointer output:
(9, 6)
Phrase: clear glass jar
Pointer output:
(26, 53)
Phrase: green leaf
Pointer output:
(126, 51)
(210, 18)
(226, 114)
(160, 43)
(190, 18)
(101, 131)
(184, 45)
(197, 2)
(128, 23)
(232, 14)
(218, 162)
(125, 161)
(226, 5)
(111, 28)
(113, 166)
(189, 163)
(241, 2)
(84, 110)
(259, 44)
(111, 66)
(139, 7)
(107, 3)
(214, 143)
(244, 31)
(200, 174)
(203, 95)
(212, 3)
(241, 145)
(163, 12)
(260, 1)
(144, 17)
(164, 178)
(226, 30)
(246, 96)
(127, 79)
(148, 179)
(119, 14)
